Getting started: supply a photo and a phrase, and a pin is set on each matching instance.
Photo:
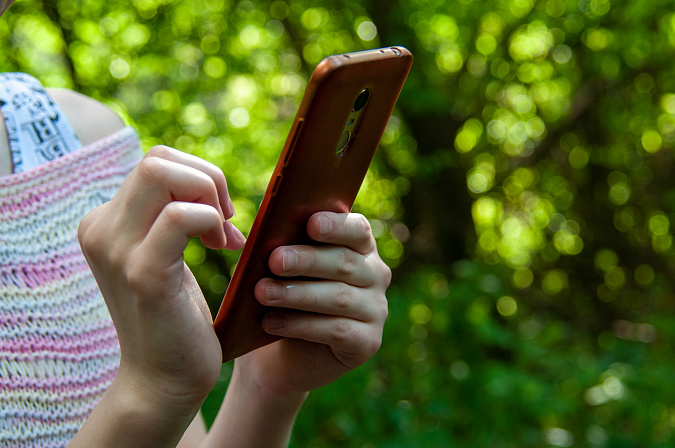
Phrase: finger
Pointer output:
(215, 173)
(89, 219)
(342, 229)
(352, 342)
(235, 239)
(176, 224)
(155, 182)
(331, 298)
(327, 262)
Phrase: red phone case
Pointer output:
(310, 176)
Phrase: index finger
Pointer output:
(350, 230)
(202, 165)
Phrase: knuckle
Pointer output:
(343, 333)
(175, 215)
(380, 269)
(87, 237)
(366, 231)
(160, 151)
(386, 274)
(91, 238)
(347, 263)
(343, 297)
(136, 278)
(116, 258)
(372, 345)
(358, 345)
(149, 167)
(142, 277)
(382, 308)
(364, 223)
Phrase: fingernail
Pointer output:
(325, 225)
(234, 235)
(241, 239)
(289, 260)
(275, 292)
(275, 321)
(229, 209)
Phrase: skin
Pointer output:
(170, 356)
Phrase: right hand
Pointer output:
(134, 245)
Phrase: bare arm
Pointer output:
(332, 326)
(90, 119)
(127, 416)
(248, 418)
(195, 434)
(170, 355)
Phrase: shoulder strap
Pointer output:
(37, 130)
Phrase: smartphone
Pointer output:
(332, 140)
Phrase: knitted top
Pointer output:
(58, 347)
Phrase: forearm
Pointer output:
(124, 417)
(195, 434)
(249, 418)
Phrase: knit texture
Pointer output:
(58, 347)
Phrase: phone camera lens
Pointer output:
(361, 100)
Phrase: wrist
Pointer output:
(261, 385)
(248, 384)
(127, 416)
(253, 416)
(156, 395)
(154, 411)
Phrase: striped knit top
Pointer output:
(58, 347)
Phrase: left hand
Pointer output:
(332, 324)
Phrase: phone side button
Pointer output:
(277, 182)
(294, 140)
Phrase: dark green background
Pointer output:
(523, 194)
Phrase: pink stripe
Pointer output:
(55, 421)
(72, 249)
(42, 356)
(113, 155)
(28, 203)
(75, 390)
(54, 324)
(54, 267)
(75, 344)
(86, 301)
(62, 383)
(72, 181)
(32, 275)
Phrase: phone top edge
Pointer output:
(394, 51)
(330, 63)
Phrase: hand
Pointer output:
(332, 324)
(134, 245)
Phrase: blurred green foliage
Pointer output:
(523, 193)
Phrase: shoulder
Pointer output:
(91, 120)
